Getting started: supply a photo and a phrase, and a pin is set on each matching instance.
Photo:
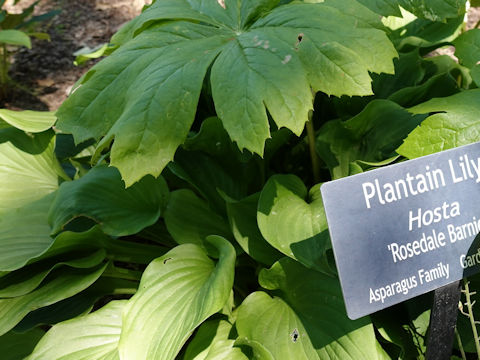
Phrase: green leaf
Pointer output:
(152, 82)
(20, 243)
(467, 48)
(189, 219)
(211, 342)
(242, 216)
(436, 10)
(25, 280)
(31, 121)
(383, 7)
(28, 171)
(306, 320)
(209, 178)
(58, 286)
(18, 346)
(85, 54)
(293, 220)
(94, 336)
(475, 72)
(455, 123)
(373, 135)
(187, 288)
(95, 239)
(15, 37)
(412, 32)
(77, 305)
(101, 195)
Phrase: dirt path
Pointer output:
(47, 69)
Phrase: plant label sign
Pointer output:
(405, 229)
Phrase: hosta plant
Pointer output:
(170, 209)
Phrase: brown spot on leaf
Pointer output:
(167, 259)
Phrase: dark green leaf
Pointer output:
(190, 220)
(373, 135)
(57, 287)
(101, 195)
(18, 346)
(242, 216)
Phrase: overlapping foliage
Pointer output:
(172, 210)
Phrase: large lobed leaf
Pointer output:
(144, 96)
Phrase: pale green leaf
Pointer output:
(101, 196)
(187, 288)
(455, 123)
(18, 346)
(26, 174)
(60, 285)
(190, 220)
(261, 62)
(306, 319)
(15, 37)
(292, 220)
(93, 337)
(86, 54)
(31, 121)
(211, 342)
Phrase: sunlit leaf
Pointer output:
(306, 319)
(187, 287)
(454, 123)
(94, 336)
(292, 220)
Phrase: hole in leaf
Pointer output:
(294, 335)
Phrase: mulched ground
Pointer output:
(46, 71)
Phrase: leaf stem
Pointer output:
(471, 316)
(460, 345)
(132, 252)
(4, 71)
(311, 146)
(121, 273)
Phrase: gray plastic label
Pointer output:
(406, 229)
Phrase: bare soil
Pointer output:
(46, 72)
